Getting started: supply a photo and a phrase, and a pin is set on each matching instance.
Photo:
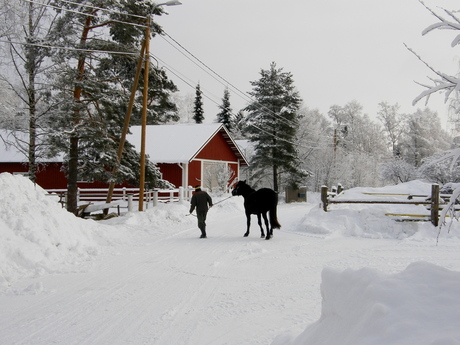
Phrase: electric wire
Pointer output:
(69, 48)
(242, 94)
(85, 14)
(184, 78)
(103, 9)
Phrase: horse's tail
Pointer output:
(273, 218)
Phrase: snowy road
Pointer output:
(179, 289)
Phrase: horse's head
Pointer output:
(239, 188)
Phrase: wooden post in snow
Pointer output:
(324, 198)
(435, 204)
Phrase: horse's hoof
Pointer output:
(267, 238)
(246, 235)
(262, 236)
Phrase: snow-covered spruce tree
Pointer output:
(198, 113)
(238, 124)
(225, 114)
(272, 124)
(93, 84)
(27, 25)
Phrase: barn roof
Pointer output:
(164, 143)
(180, 143)
(14, 146)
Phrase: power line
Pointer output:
(85, 14)
(206, 66)
(68, 48)
(246, 97)
(102, 9)
(241, 93)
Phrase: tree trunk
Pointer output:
(72, 177)
(31, 71)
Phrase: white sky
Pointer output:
(337, 50)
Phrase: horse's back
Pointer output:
(261, 200)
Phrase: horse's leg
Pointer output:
(248, 223)
(262, 234)
(266, 226)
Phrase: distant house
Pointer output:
(191, 154)
(187, 155)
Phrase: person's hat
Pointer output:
(197, 187)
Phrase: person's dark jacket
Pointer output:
(200, 201)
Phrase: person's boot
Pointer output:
(203, 234)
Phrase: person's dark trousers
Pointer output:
(202, 222)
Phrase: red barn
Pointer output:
(187, 154)
(14, 160)
(191, 154)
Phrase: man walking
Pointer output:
(200, 201)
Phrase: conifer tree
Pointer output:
(225, 114)
(90, 118)
(272, 124)
(198, 113)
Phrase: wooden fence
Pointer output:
(433, 201)
(127, 195)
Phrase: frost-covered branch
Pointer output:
(443, 23)
(444, 83)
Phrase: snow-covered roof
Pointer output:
(10, 153)
(164, 143)
(179, 143)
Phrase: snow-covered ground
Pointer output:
(350, 276)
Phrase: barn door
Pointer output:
(217, 175)
(210, 171)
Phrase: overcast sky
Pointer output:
(336, 50)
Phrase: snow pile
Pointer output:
(36, 234)
(372, 220)
(417, 306)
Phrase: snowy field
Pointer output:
(350, 276)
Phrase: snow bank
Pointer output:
(360, 307)
(36, 234)
(370, 220)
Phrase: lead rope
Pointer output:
(191, 214)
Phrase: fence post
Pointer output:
(339, 188)
(181, 193)
(324, 197)
(155, 198)
(130, 202)
(435, 204)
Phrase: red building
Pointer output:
(187, 155)
(191, 154)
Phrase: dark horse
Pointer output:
(259, 202)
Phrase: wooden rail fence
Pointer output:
(433, 201)
(124, 197)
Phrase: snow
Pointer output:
(348, 276)
(10, 153)
(162, 145)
